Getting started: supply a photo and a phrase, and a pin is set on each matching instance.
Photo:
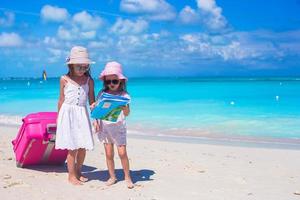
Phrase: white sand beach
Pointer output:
(161, 170)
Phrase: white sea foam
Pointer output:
(10, 120)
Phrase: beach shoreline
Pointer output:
(161, 169)
(14, 121)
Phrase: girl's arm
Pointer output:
(96, 125)
(91, 91)
(126, 110)
(61, 93)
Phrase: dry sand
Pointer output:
(161, 170)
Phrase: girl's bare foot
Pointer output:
(129, 183)
(74, 181)
(83, 178)
(111, 181)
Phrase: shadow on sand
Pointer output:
(93, 174)
(58, 168)
(136, 175)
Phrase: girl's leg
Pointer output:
(80, 159)
(109, 153)
(125, 163)
(72, 167)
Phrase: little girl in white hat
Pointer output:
(73, 124)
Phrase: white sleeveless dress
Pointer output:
(74, 129)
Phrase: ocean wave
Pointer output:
(217, 139)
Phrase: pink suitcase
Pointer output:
(35, 142)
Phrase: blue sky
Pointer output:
(153, 37)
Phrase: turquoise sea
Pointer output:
(260, 108)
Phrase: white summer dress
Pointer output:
(74, 129)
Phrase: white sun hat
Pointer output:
(79, 55)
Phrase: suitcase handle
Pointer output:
(51, 130)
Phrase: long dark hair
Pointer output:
(71, 71)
